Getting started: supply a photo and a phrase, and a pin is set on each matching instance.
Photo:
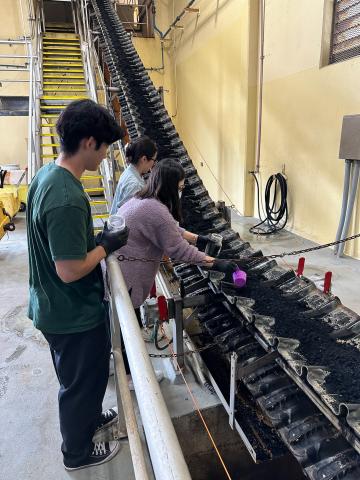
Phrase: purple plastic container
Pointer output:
(239, 278)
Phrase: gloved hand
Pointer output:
(225, 266)
(112, 240)
(202, 241)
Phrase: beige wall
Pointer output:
(13, 130)
(303, 110)
(215, 60)
(149, 50)
(214, 91)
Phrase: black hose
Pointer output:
(156, 330)
(276, 217)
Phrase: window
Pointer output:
(14, 106)
(345, 42)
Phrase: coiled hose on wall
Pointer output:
(276, 210)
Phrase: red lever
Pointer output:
(300, 268)
(153, 291)
(327, 282)
(163, 309)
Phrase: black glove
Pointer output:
(225, 266)
(202, 241)
(111, 240)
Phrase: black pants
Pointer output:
(81, 362)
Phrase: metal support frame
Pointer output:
(178, 327)
(176, 306)
(33, 55)
(233, 380)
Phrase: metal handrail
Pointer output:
(166, 455)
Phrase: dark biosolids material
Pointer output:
(316, 344)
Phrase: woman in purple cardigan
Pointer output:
(152, 217)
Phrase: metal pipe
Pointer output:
(9, 68)
(14, 56)
(352, 197)
(14, 42)
(165, 451)
(260, 82)
(344, 203)
(30, 139)
(178, 18)
(127, 414)
(15, 81)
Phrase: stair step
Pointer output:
(100, 215)
(63, 84)
(94, 189)
(53, 75)
(48, 134)
(95, 203)
(60, 59)
(75, 67)
(49, 115)
(60, 48)
(57, 145)
(62, 64)
(69, 38)
(52, 107)
(62, 91)
(91, 177)
(55, 55)
(45, 125)
(60, 44)
(64, 97)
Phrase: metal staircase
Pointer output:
(63, 81)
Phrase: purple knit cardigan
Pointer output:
(153, 233)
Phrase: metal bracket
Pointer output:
(233, 379)
(253, 366)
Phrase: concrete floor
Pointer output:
(346, 270)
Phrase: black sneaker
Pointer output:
(103, 452)
(107, 418)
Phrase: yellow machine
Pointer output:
(5, 222)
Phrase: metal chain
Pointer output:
(313, 249)
(123, 258)
(189, 352)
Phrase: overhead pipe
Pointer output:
(178, 18)
(348, 164)
(161, 35)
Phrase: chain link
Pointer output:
(313, 249)
(123, 258)
(189, 352)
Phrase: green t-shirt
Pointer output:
(60, 227)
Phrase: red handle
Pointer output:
(300, 268)
(153, 291)
(163, 309)
(327, 282)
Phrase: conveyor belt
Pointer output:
(311, 393)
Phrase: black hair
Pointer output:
(142, 146)
(84, 119)
(163, 185)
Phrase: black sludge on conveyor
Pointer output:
(315, 335)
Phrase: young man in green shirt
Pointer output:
(66, 286)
